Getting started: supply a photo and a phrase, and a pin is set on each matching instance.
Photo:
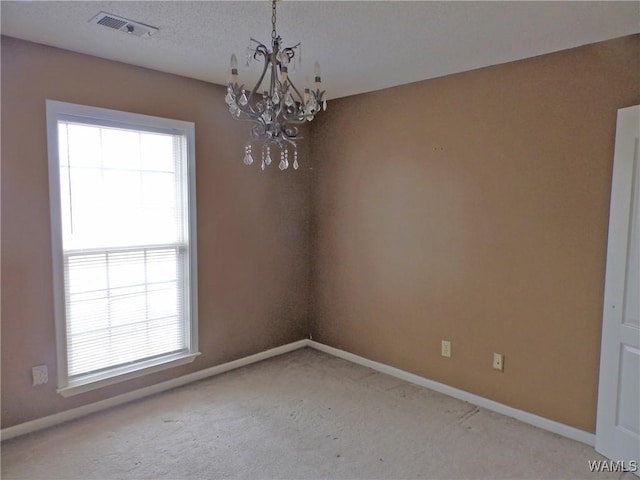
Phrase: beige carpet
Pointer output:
(301, 415)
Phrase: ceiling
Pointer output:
(361, 45)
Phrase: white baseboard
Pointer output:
(526, 417)
(72, 414)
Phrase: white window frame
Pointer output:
(61, 111)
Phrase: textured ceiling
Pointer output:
(361, 45)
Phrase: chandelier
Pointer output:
(276, 108)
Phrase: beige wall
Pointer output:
(474, 208)
(471, 208)
(252, 225)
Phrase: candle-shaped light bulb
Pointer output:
(316, 72)
(234, 68)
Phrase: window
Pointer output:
(122, 196)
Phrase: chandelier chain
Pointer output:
(273, 20)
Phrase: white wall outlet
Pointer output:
(40, 375)
(445, 348)
(498, 361)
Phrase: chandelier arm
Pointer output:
(258, 130)
(294, 116)
(282, 140)
(298, 115)
(257, 85)
(300, 97)
(249, 118)
(289, 52)
(295, 120)
(291, 136)
(260, 49)
(286, 140)
(248, 110)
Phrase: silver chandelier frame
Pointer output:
(277, 110)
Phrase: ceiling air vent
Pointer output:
(123, 25)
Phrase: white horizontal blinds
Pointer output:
(124, 241)
(120, 187)
(123, 307)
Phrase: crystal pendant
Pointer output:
(324, 105)
(262, 166)
(233, 109)
(295, 159)
(243, 99)
(275, 98)
(267, 158)
(283, 164)
(229, 99)
(288, 100)
(248, 159)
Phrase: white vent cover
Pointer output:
(124, 25)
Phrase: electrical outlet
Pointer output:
(498, 361)
(40, 375)
(445, 349)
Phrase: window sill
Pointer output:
(117, 375)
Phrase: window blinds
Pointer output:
(123, 214)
